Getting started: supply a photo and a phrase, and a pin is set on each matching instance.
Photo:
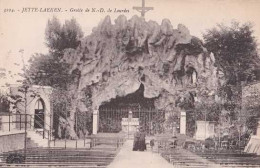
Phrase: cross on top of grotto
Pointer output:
(143, 9)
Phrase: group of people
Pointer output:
(139, 141)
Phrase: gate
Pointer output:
(150, 120)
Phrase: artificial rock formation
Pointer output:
(116, 58)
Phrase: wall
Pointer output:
(11, 142)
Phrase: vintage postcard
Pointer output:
(130, 83)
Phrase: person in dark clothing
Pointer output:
(152, 144)
(136, 141)
(175, 144)
(142, 145)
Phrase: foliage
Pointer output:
(50, 69)
(251, 103)
(109, 125)
(206, 109)
(186, 101)
(2, 73)
(4, 102)
(209, 143)
(60, 37)
(252, 123)
(61, 103)
(84, 123)
(235, 50)
(191, 123)
(84, 117)
(172, 121)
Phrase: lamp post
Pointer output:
(66, 124)
(205, 118)
(239, 119)
(25, 90)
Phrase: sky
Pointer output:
(22, 34)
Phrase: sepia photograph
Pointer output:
(130, 83)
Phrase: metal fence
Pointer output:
(19, 121)
(150, 120)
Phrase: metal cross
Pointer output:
(143, 9)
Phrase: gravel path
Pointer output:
(127, 158)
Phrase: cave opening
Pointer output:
(140, 107)
(130, 101)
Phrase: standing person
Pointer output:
(152, 144)
(136, 144)
(175, 143)
(142, 141)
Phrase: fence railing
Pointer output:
(19, 121)
(151, 120)
(114, 141)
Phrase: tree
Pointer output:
(50, 69)
(60, 37)
(2, 73)
(4, 102)
(251, 104)
(235, 51)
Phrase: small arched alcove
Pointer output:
(39, 111)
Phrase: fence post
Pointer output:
(48, 138)
(20, 122)
(50, 133)
(90, 143)
(30, 122)
(65, 142)
(84, 139)
(76, 118)
(76, 144)
(9, 121)
(158, 145)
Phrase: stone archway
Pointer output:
(124, 88)
(35, 94)
(164, 93)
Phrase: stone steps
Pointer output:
(183, 158)
(37, 138)
(58, 157)
(52, 165)
(233, 159)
